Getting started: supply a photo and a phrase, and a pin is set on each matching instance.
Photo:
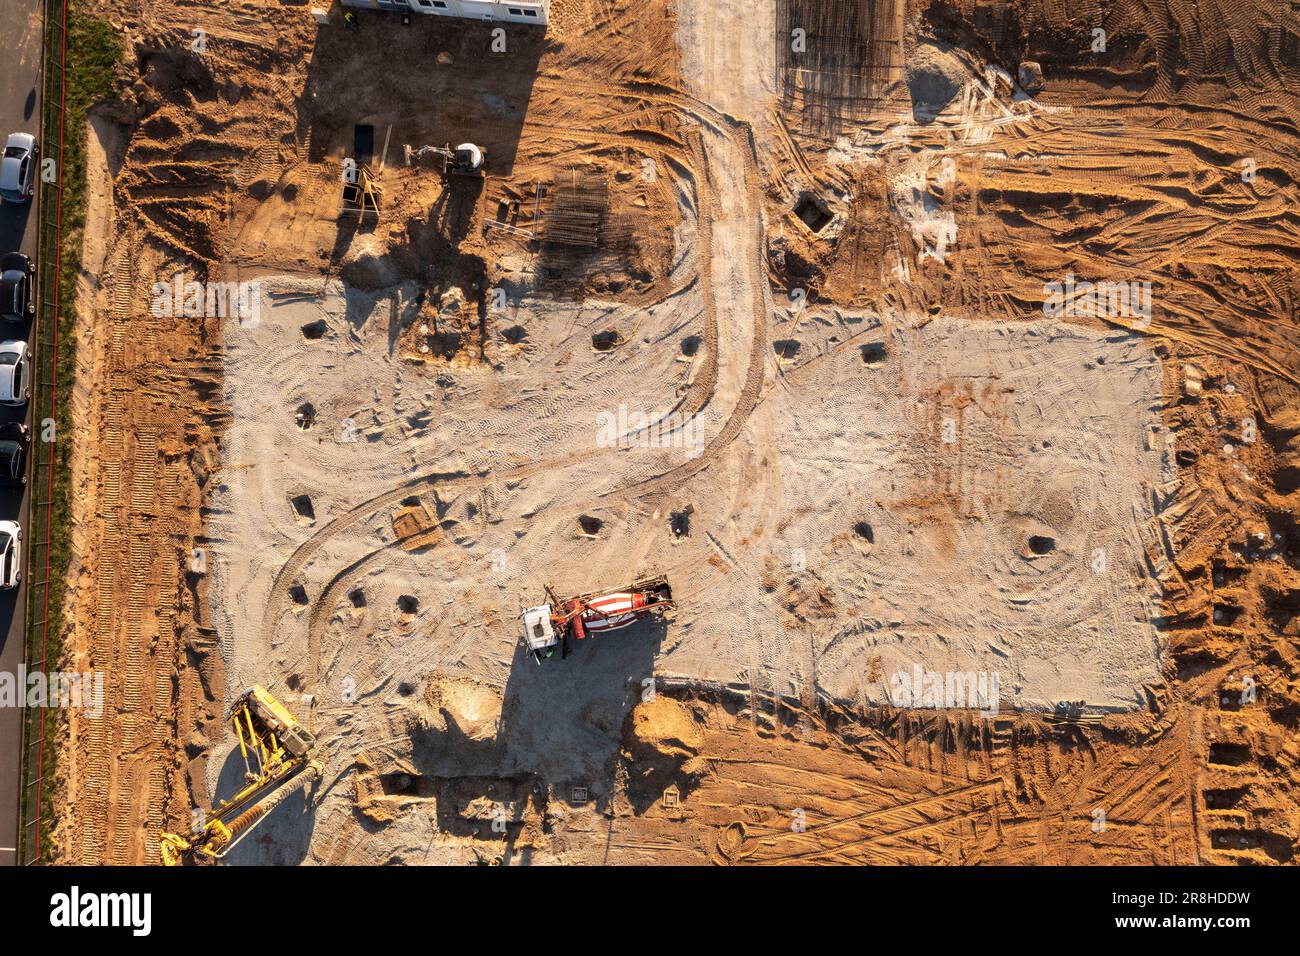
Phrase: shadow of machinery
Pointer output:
(561, 727)
(563, 718)
(283, 836)
(437, 81)
(569, 719)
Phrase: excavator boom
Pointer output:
(277, 752)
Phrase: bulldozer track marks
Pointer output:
(694, 159)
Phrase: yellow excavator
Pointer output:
(277, 754)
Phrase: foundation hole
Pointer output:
(814, 213)
(786, 349)
(1225, 799)
(315, 330)
(1041, 544)
(400, 784)
(1229, 755)
(873, 353)
(305, 416)
(590, 526)
(1226, 614)
(605, 341)
(303, 510)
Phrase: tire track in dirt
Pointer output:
(699, 395)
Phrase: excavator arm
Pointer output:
(277, 752)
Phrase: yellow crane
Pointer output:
(277, 753)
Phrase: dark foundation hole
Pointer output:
(1282, 605)
(445, 344)
(691, 345)
(814, 213)
(873, 353)
(1224, 799)
(1225, 573)
(515, 334)
(1234, 839)
(315, 330)
(1186, 457)
(1279, 846)
(1229, 755)
(298, 594)
(302, 509)
(680, 521)
(357, 598)
(1041, 544)
(1230, 698)
(411, 501)
(293, 682)
(590, 526)
(786, 348)
(864, 531)
(305, 416)
(400, 784)
(604, 341)
(405, 689)
(1226, 614)
(407, 605)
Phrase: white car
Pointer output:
(15, 372)
(11, 565)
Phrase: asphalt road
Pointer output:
(20, 109)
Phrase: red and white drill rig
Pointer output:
(550, 625)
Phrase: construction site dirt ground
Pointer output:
(777, 323)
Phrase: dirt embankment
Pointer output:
(165, 159)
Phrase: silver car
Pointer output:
(18, 167)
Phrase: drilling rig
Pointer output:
(584, 615)
(277, 752)
(465, 160)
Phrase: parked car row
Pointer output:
(18, 173)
